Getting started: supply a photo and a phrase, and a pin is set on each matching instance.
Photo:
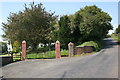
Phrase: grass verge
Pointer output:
(98, 45)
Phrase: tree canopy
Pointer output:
(3, 47)
(87, 24)
(36, 25)
(32, 25)
(64, 30)
(69, 29)
(117, 30)
(95, 23)
(16, 47)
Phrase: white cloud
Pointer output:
(114, 28)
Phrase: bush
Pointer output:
(40, 49)
(98, 45)
(16, 47)
(45, 48)
(108, 36)
(64, 52)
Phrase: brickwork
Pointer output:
(85, 49)
(57, 49)
(23, 50)
(79, 50)
(88, 49)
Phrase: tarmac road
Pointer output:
(103, 64)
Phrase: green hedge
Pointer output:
(64, 52)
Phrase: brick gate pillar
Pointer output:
(23, 50)
(71, 49)
(57, 49)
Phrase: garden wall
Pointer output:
(86, 49)
(6, 60)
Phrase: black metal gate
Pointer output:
(45, 52)
(16, 56)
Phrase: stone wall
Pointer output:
(5, 60)
(85, 49)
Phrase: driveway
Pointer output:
(103, 64)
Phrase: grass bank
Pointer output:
(116, 37)
(98, 45)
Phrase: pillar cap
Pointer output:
(70, 44)
(57, 41)
(24, 41)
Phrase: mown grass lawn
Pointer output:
(41, 55)
(45, 55)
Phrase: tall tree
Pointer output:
(117, 30)
(76, 35)
(32, 24)
(95, 23)
(89, 23)
(3, 47)
(64, 32)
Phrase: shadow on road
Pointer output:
(110, 43)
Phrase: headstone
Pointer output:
(71, 49)
(23, 50)
(57, 49)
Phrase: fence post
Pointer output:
(23, 50)
(57, 49)
(71, 49)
